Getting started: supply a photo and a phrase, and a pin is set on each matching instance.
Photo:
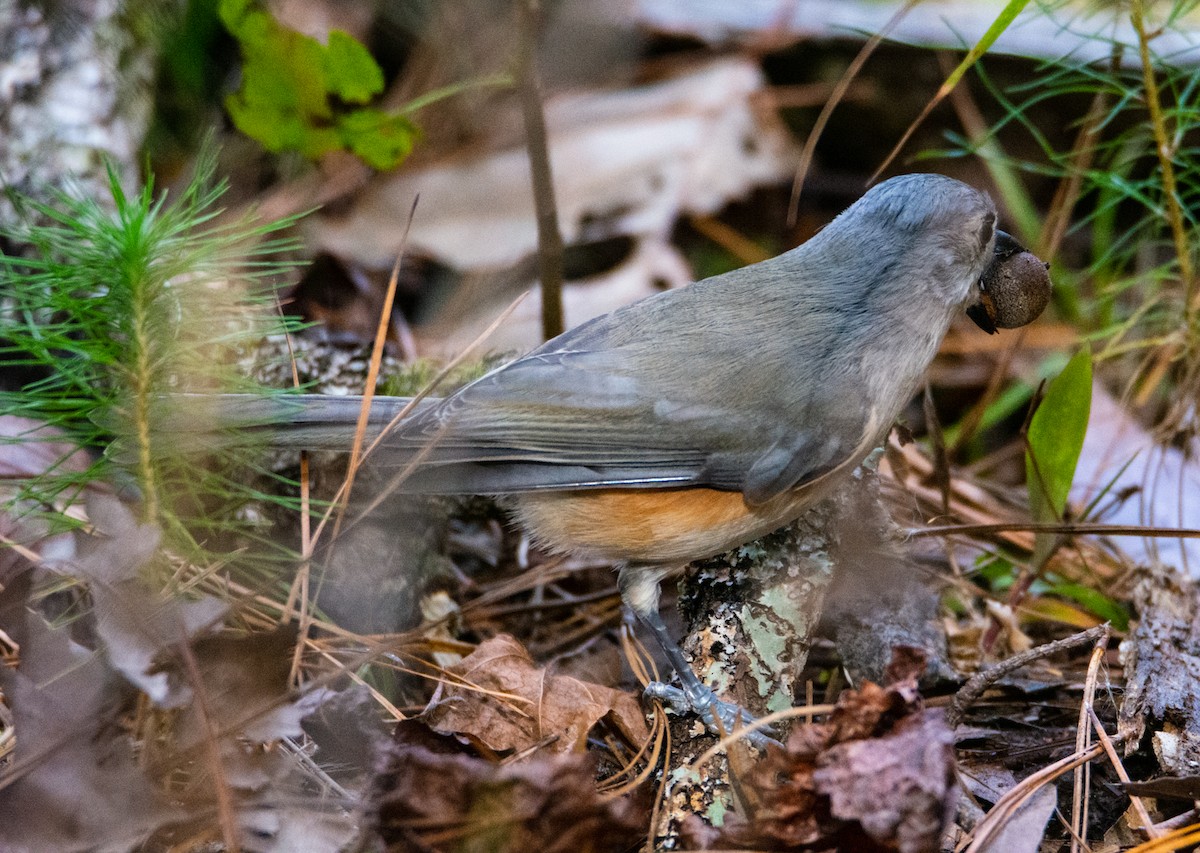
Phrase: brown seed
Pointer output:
(1016, 290)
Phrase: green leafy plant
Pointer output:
(1120, 235)
(121, 304)
(300, 95)
(1128, 192)
(1053, 444)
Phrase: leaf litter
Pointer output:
(104, 675)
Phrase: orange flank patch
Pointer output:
(650, 525)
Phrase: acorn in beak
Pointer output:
(1014, 289)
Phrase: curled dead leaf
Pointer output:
(877, 776)
(498, 697)
(440, 800)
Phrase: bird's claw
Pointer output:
(719, 717)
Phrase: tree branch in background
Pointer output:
(550, 242)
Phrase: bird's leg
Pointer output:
(719, 717)
(640, 591)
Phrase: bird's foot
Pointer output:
(719, 717)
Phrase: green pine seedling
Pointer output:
(116, 304)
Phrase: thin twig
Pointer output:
(1150, 828)
(550, 241)
(760, 723)
(299, 590)
(939, 457)
(999, 375)
(730, 239)
(364, 414)
(1019, 794)
(391, 487)
(1165, 151)
(979, 683)
(226, 815)
(1083, 152)
(1065, 528)
(835, 98)
(400, 416)
(1080, 800)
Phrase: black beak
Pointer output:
(983, 312)
(982, 317)
(1006, 246)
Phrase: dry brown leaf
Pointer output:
(73, 783)
(877, 776)
(245, 684)
(435, 800)
(1026, 829)
(504, 701)
(900, 787)
(135, 624)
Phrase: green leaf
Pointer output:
(380, 139)
(298, 94)
(352, 73)
(1095, 602)
(1007, 15)
(1055, 438)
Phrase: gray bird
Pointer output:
(699, 419)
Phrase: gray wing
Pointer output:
(588, 411)
(775, 374)
(560, 418)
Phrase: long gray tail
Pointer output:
(206, 422)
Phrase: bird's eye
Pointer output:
(987, 229)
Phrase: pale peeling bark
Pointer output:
(1162, 669)
(750, 617)
(751, 613)
(74, 89)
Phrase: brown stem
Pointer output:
(979, 683)
(1083, 153)
(550, 242)
(1163, 149)
(226, 812)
